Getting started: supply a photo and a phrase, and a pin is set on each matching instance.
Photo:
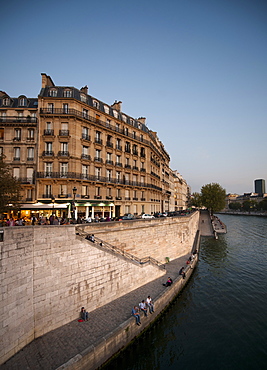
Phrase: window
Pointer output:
(64, 129)
(124, 118)
(67, 93)
(49, 126)
(109, 158)
(117, 127)
(85, 150)
(30, 154)
(118, 144)
(98, 173)
(98, 154)
(63, 189)
(134, 179)
(3, 117)
(109, 175)
(127, 193)
(118, 159)
(16, 172)
(63, 169)
(106, 109)
(65, 108)
(118, 193)
(17, 133)
(16, 154)
(22, 102)
(29, 194)
(30, 134)
(109, 192)
(50, 107)
(127, 209)
(53, 92)
(127, 147)
(48, 148)
(98, 137)
(95, 104)
(85, 113)
(134, 135)
(6, 101)
(64, 148)
(84, 190)
(118, 176)
(141, 137)
(97, 191)
(126, 131)
(1, 134)
(30, 175)
(83, 98)
(85, 171)
(85, 133)
(48, 168)
(1, 151)
(48, 191)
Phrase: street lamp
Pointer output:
(74, 190)
(53, 201)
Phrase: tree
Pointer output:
(196, 200)
(235, 206)
(9, 189)
(213, 197)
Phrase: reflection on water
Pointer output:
(219, 321)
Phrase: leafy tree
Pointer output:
(196, 200)
(263, 205)
(249, 205)
(9, 189)
(235, 206)
(213, 197)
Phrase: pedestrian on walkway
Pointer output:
(143, 307)
(168, 282)
(135, 313)
(181, 272)
(84, 314)
(150, 304)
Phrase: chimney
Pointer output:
(117, 105)
(84, 89)
(46, 81)
(142, 120)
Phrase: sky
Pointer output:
(196, 69)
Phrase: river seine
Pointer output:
(219, 321)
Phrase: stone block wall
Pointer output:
(48, 272)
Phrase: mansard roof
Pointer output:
(15, 102)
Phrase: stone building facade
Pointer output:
(76, 155)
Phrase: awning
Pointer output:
(44, 206)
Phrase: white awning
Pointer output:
(45, 206)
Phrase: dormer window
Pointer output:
(106, 109)
(6, 101)
(67, 93)
(53, 92)
(115, 113)
(96, 104)
(83, 98)
(124, 118)
(22, 102)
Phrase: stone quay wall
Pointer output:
(49, 272)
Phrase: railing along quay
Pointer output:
(101, 243)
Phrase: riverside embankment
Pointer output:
(109, 328)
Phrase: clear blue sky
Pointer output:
(196, 69)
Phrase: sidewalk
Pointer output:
(58, 346)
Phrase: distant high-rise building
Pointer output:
(260, 186)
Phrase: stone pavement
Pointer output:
(58, 346)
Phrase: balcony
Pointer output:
(109, 197)
(48, 195)
(135, 152)
(135, 198)
(86, 156)
(142, 169)
(135, 168)
(86, 137)
(85, 197)
(64, 133)
(108, 161)
(48, 132)
(127, 166)
(127, 198)
(63, 195)
(98, 197)
(143, 199)
(63, 154)
(118, 198)
(98, 160)
(26, 180)
(119, 147)
(48, 153)
(118, 164)
(142, 155)
(127, 150)
(30, 159)
(16, 159)
(30, 139)
(18, 119)
(98, 141)
(109, 144)
(17, 138)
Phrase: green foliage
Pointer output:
(213, 197)
(236, 206)
(263, 205)
(196, 200)
(9, 189)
